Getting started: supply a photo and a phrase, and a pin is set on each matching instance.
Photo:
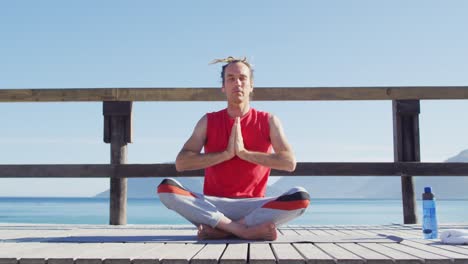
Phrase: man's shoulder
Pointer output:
(219, 112)
(216, 116)
(260, 113)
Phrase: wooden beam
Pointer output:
(118, 115)
(406, 149)
(168, 170)
(215, 94)
(57, 171)
(112, 110)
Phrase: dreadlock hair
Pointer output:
(230, 60)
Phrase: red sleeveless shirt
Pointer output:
(237, 178)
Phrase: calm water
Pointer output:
(151, 211)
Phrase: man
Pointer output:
(237, 159)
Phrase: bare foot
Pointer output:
(265, 231)
(207, 232)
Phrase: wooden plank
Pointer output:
(19, 250)
(56, 171)
(13, 253)
(109, 252)
(429, 258)
(287, 254)
(117, 261)
(341, 255)
(57, 253)
(135, 253)
(357, 233)
(214, 94)
(168, 170)
(390, 232)
(373, 230)
(145, 261)
(37, 235)
(379, 232)
(411, 233)
(398, 257)
(132, 235)
(406, 234)
(88, 261)
(457, 257)
(210, 254)
(8, 261)
(32, 261)
(118, 186)
(288, 232)
(235, 254)
(415, 232)
(371, 256)
(305, 232)
(122, 110)
(179, 253)
(336, 232)
(95, 253)
(458, 249)
(261, 254)
(406, 148)
(313, 254)
(393, 234)
(64, 253)
(324, 233)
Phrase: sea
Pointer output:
(56, 210)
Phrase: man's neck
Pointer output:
(238, 110)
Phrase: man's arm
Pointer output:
(191, 158)
(283, 157)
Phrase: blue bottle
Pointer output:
(429, 224)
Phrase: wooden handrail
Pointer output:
(117, 106)
(214, 94)
(168, 170)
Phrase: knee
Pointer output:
(298, 195)
(170, 191)
(168, 185)
(297, 189)
(169, 181)
(165, 192)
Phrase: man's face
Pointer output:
(237, 83)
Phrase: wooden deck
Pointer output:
(151, 244)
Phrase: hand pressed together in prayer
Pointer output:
(236, 141)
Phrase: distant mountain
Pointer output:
(445, 187)
(461, 157)
(322, 186)
(330, 186)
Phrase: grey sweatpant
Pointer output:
(203, 209)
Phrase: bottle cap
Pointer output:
(427, 189)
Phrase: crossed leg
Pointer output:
(212, 215)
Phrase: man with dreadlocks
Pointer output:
(241, 145)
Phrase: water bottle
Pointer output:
(429, 224)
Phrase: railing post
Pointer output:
(406, 148)
(117, 132)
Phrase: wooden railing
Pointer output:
(117, 109)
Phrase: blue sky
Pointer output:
(94, 44)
